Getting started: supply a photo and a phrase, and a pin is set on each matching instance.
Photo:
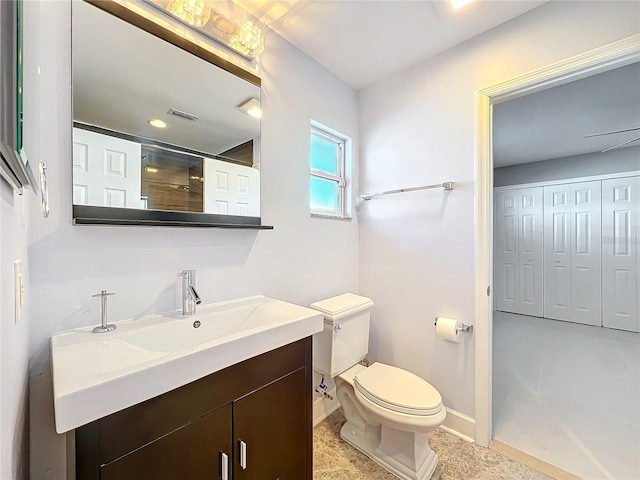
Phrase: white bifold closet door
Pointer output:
(572, 270)
(506, 250)
(519, 251)
(620, 256)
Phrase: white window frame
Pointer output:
(340, 178)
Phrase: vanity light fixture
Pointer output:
(248, 40)
(151, 169)
(458, 4)
(251, 107)
(235, 29)
(193, 12)
(156, 122)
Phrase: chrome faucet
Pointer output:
(190, 297)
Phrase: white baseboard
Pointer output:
(323, 407)
(460, 425)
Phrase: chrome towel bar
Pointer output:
(444, 186)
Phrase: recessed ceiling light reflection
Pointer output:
(457, 4)
(255, 112)
(156, 122)
(251, 107)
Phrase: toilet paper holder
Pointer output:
(464, 327)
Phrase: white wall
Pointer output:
(418, 127)
(15, 211)
(614, 161)
(14, 339)
(301, 260)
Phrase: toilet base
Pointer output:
(405, 454)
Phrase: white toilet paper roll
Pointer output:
(447, 329)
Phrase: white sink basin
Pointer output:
(96, 374)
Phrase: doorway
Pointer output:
(565, 275)
(603, 59)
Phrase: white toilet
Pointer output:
(389, 411)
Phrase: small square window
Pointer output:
(328, 181)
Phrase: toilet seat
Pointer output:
(397, 390)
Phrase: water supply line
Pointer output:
(322, 388)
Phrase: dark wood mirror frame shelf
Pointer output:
(90, 215)
(98, 215)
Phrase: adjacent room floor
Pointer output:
(568, 394)
(334, 459)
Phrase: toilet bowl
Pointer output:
(388, 410)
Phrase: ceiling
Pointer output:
(365, 41)
(345, 37)
(553, 123)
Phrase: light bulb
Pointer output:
(458, 4)
(194, 12)
(248, 41)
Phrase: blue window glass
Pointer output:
(324, 194)
(324, 154)
(327, 168)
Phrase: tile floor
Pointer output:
(568, 394)
(334, 459)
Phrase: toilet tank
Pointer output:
(344, 340)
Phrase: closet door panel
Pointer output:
(506, 251)
(620, 253)
(530, 246)
(586, 277)
(557, 252)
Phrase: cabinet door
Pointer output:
(620, 217)
(193, 451)
(270, 431)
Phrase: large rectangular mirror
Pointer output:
(160, 135)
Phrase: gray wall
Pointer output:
(614, 161)
(14, 338)
(417, 250)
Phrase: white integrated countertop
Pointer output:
(97, 374)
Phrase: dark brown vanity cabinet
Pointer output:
(192, 451)
(267, 427)
(254, 416)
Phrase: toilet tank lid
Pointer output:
(338, 307)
